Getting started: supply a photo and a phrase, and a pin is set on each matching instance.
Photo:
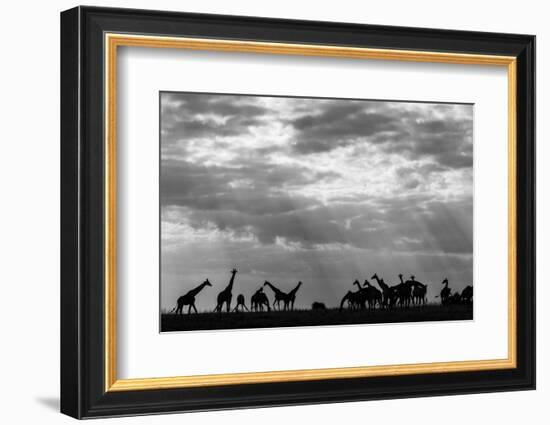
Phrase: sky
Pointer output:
(323, 191)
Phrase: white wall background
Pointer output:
(29, 217)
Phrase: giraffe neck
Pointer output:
(198, 289)
(293, 292)
(278, 291)
(230, 286)
(382, 285)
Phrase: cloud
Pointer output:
(324, 189)
(196, 116)
(417, 131)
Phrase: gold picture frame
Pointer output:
(114, 41)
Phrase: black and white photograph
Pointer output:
(293, 211)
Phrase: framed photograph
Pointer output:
(261, 212)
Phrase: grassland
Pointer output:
(332, 316)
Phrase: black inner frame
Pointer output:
(82, 207)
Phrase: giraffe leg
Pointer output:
(195, 308)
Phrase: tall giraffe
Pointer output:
(403, 290)
(386, 291)
(189, 299)
(373, 294)
(291, 297)
(279, 295)
(225, 296)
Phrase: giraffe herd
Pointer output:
(403, 294)
(258, 301)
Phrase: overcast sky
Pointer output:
(319, 190)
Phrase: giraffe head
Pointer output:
(374, 276)
(445, 281)
(234, 271)
(356, 282)
(412, 277)
(207, 283)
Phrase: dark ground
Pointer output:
(208, 321)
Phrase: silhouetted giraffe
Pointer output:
(361, 295)
(445, 292)
(240, 302)
(467, 294)
(403, 291)
(225, 296)
(454, 299)
(352, 299)
(279, 295)
(189, 299)
(386, 291)
(419, 291)
(258, 300)
(291, 297)
(374, 295)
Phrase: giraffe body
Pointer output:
(240, 303)
(259, 300)
(189, 298)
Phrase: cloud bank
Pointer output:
(320, 190)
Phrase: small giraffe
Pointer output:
(258, 300)
(189, 299)
(225, 296)
(419, 291)
(467, 294)
(445, 293)
(360, 296)
(352, 299)
(240, 303)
